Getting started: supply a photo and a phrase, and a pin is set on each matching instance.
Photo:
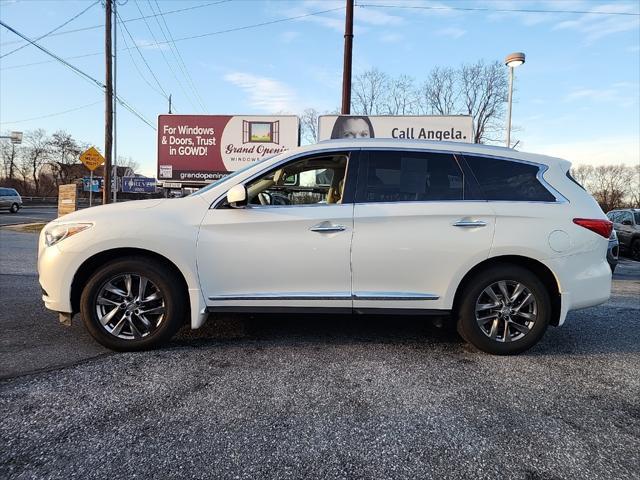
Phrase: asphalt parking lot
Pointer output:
(29, 214)
(316, 397)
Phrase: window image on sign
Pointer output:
(260, 132)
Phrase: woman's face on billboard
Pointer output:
(355, 128)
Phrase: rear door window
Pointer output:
(405, 176)
(504, 179)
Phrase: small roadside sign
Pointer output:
(92, 158)
(67, 199)
(138, 184)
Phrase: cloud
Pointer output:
(289, 36)
(452, 32)
(391, 37)
(595, 27)
(264, 93)
(363, 18)
(621, 94)
(145, 44)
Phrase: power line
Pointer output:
(135, 64)
(164, 57)
(501, 10)
(164, 93)
(75, 69)
(51, 31)
(84, 29)
(78, 72)
(209, 34)
(178, 55)
(54, 114)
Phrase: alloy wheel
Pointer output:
(506, 311)
(130, 306)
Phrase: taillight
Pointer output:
(601, 227)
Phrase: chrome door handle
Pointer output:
(327, 228)
(470, 223)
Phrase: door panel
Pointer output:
(409, 254)
(271, 256)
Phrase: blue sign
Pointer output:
(96, 187)
(138, 185)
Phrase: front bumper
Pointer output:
(56, 274)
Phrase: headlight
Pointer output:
(57, 233)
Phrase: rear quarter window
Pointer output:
(504, 179)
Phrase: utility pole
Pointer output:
(169, 103)
(115, 102)
(348, 55)
(108, 104)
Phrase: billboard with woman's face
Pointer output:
(456, 128)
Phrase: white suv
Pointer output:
(505, 241)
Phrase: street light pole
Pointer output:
(512, 61)
(509, 107)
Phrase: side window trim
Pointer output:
(350, 175)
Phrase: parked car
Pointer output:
(503, 241)
(613, 250)
(10, 199)
(627, 225)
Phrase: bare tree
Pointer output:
(440, 92)
(309, 124)
(128, 162)
(484, 94)
(36, 153)
(65, 151)
(402, 97)
(369, 92)
(10, 153)
(613, 186)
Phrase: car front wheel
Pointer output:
(14, 208)
(133, 304)
(504, 310)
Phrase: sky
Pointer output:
(577, 96)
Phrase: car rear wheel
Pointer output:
(14, 208)
(133, 304)
(504, 310)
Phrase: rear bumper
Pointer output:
(583, 282)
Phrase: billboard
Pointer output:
(203, 148)
(456, 128)
(138, 185)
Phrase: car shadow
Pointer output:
(606, 329)
(322, 328)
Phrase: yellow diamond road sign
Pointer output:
(92, 158)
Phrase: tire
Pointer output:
(487, 331)
(137, 321)
(635, 249)
(14, 208)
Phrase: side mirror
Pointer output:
(627, 222)
(237, 196)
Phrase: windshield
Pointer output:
(231, 175)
